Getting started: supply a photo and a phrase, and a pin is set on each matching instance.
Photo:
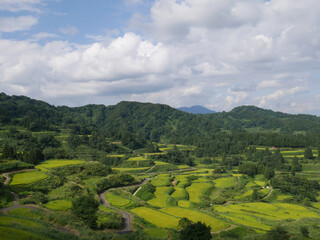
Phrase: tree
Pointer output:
(278, 233)
(196, 231)
(8, 152)
(184, 222)
(308, 153)
(304, 231)
(85, 207)
(255, 195)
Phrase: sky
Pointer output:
(216, 53)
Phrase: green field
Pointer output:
(132, 170)
(157, 233)
(184, 204)
(28, 177)
(134, 159)
(196, 216)
(116, 200)
(252, 214)
(196, 190)
(157, 218)
(162, 195)
(161, 180)
(58, 163)
(225, 182)
(59, 205)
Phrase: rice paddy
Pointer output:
(251, 214)
(225, 182)
(196, 190)
(28, 177)
(116, 200)
(157, 218)
(59, 205)
(195, 216)
(58, 163)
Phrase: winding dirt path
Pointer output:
(15, 195)
(127, 217)
(268, 193)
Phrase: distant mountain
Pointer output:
(196, 110)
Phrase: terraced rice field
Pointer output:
(225, 182)
(157, 218)
(195, 216)
(196, 190)
(251, 214)
(180, 193)
(116, 200)
(28, 177)
(157, 233)
(245, 195)
(161, 180)
(162, 195)
(134, 159)
(59, 205)
(132, 170)
(184, 204)
(58, 163)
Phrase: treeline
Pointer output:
(155, 122)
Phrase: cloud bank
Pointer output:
(217, 53)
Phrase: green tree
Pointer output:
(196, 231)
(255, 195)
(85, 208)
(184, 222)
(304, 231)
(8, 152)
(278, 233)
(308, 153)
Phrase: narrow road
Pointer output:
(127, 217)
(268, 193)
(15, 195)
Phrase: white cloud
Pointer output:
(268, 84)
(20, 5)
(257, 52)
(69, 30)
(13, 24)
(43, 35)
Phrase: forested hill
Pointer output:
(149, 121)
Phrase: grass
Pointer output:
(58, 163)
(180, 193)
(183, 166)
(9, 221)
(157, 233)
(24, 212)
(116, 200)
(161, 180)
(160, 163)
(196, 216)
(162, 195)
(28, 177)
(132, 170)
(276, 211)
(157, 218)
(245, 195)
(196, 190)
(184, 204)
(59, 205)
(134, 159)
(10, 233)
(225, 182)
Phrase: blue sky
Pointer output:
(215, 53)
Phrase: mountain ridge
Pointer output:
(196, 109)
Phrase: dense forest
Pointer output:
(235, 171)
(137, 122)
